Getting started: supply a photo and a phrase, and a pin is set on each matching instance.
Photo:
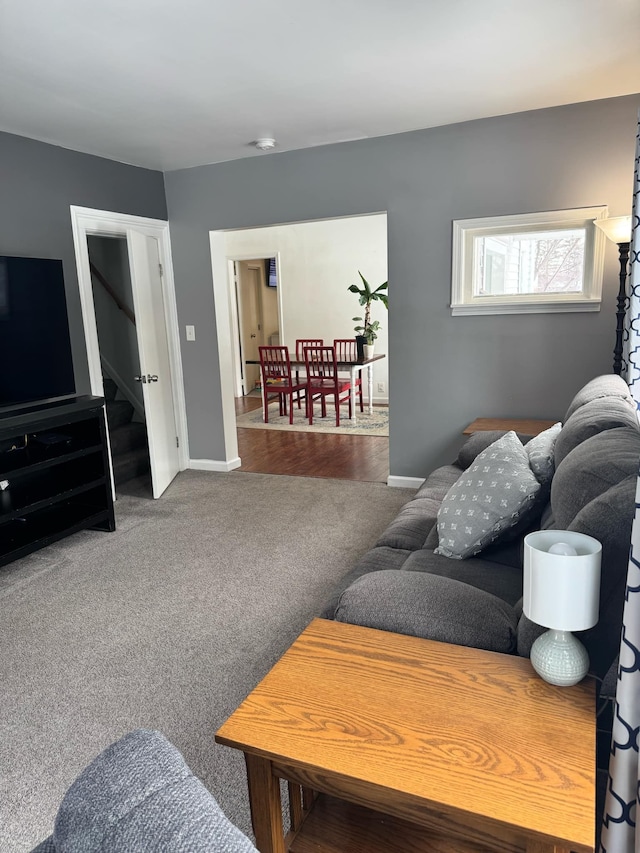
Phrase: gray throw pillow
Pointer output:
(540, 453)
(492, 496)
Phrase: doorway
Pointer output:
(155, 365)
(316, 263)
(258, 323)
(120, 360)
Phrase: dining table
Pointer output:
(354, 366)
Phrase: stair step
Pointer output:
(133, 463)
(110, 388)
(127, 437)
(119, 412)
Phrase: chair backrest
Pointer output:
(346, 349)
(301, 343)
(275, 364)
(320, 363)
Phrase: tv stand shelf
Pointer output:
(54, 475)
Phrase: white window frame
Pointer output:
(463, 301)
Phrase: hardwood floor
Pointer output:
(302, 454)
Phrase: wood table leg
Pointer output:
(266, 806)
(352, 392)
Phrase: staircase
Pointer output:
(128, 439)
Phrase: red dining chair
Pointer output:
(323, 381)
(277, 380)
(301, 343)
(347, 350)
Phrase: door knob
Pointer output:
(140, 378)
(151, 378)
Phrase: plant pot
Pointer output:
(368, 350)
(360, 344)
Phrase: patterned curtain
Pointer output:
(623, 789)
(631, 355)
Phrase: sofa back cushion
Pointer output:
(609, 518)
(608, 385)
(591, 469)
(594, 417)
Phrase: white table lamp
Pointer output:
(562, 593)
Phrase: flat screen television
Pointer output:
(36, 365)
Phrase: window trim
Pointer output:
(464, 303)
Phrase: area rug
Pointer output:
(376, 423)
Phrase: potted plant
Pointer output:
(367, 327)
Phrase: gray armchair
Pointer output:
(140, 795)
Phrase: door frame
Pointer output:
(86, 221)
(234, 317)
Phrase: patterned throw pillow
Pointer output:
(540, 453)
(490, 497)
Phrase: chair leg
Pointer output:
(336, 399)
(361, 401)
(291, 408)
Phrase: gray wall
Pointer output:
(38, 183)
(444, 371)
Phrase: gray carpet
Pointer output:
(166, 623)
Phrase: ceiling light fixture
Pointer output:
(265, 144)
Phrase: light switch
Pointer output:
(191, 333)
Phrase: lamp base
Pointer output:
(559, 658)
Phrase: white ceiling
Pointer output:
(175, 83)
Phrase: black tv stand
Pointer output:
(54, 475)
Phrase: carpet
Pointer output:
(376, 423)
(166, 623)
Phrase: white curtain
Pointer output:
(619, 824)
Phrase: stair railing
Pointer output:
(121, 305)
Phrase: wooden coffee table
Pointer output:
(392, 743)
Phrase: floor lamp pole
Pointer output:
(623, 250)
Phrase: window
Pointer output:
(534, 262)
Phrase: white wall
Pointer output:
(318, 261)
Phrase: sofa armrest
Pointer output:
(430, 606)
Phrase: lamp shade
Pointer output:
(616, 228)
(562, 590)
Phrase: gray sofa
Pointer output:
(139, 796)
(587, 479)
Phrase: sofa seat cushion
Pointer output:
(591, 469)
(608, 385)
(430, 606)
(594, 417)
(490, 497)
(504, 581)
(139, 794)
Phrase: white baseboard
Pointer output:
(214, 464)
(404, 482)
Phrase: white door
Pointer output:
(155, 368)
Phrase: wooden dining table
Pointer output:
(353, 366)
